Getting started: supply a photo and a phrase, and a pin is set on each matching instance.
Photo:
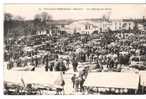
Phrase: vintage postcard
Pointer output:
(74, 49)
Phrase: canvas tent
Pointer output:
(113, 80)
(142, 78)
(48, 79)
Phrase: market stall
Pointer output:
(39, 81)
(143, 81)
(112, 82)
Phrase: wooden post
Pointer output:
(142, 88)
(136, 91)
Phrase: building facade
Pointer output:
(88, 26)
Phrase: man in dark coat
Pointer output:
(67, 62)
(77, 82)
(73, 80)
(51, 65)
(46, 63)
(56, 65)
(82, 77)
(62, 66)
(36, 61)
(75, 65)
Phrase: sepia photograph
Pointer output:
(74, 49)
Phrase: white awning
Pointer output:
(142, 78)
(42, 78)
(113, 80)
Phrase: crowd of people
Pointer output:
(45, 51)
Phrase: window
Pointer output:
(86, 27)
(89, 27)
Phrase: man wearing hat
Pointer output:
(73, 78)
(82, 77)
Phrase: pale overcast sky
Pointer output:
(115, 11)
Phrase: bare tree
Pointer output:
(45, 17)
(8, 18)
(18, 18)
(41, 21)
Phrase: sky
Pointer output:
(77, 11)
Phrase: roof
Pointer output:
(60, 22)
(69, 21)
(50, 79)
(113, 80)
